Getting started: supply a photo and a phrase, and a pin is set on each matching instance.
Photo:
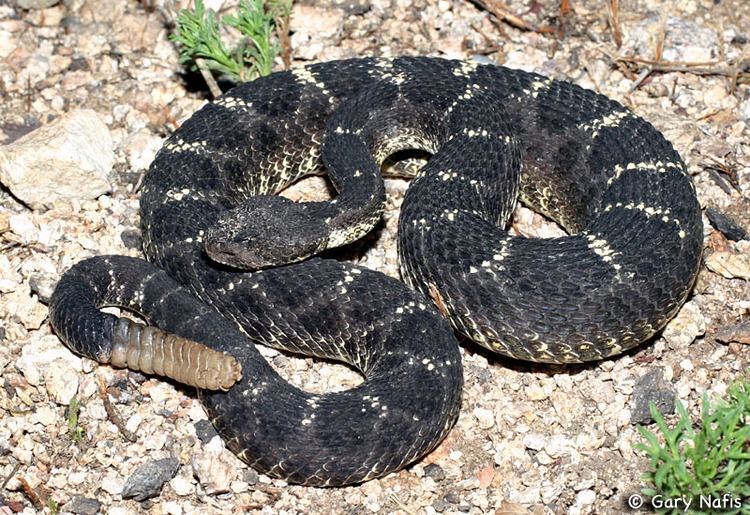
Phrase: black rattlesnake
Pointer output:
(606, 175)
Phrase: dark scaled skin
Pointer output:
(407, 403)
(604, 174)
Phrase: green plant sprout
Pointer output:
(710, 466)
(201, 47)
(74, 430)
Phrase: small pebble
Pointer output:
(82, 506)
(147, 480)
(441, 505)
(484, 417)
(181, 485)
(651, 388)
(215, 468)
(205, 430)
(131, 238)
(250, 476)
(725, 225)
(43, 285)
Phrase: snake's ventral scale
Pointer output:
(231, 264)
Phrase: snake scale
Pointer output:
(219, 240)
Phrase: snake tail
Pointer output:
(153, 351)
(123, 342)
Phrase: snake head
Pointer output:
(265, 231)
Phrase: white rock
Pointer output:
(323, 22)
(530, 495)
(214, 5)
(57, 481)
(7, 43)
(22, 226)
(585, 497)
(196, 412)
(133, 422)
(160, 392)
(181, 485)
(239, 487)
(38, 356)
(61, 381)
(21, 306)
(76, 477)
(534, 441)
(215, 468)
(140, 149)
(36, 4)
(534, 392)
(558, 445)
(9, 274)
(729, 264)
(112, 483)
(45, 415)
(371, 503)
(7, 285)
(485, 418)
(314, 28)
(745, 110)
(67, 159)
(686, 326)
(685, 40)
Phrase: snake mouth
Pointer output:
(241, 256)
(230, 255)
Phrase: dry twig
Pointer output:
(213, 86)
(614, 22)
(38, 496)
(697, 68)
(113, 414)
(504, 13)
(285, 42)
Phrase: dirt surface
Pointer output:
(530, 438)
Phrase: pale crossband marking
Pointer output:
(384, 70)
(479, 132)
(494, 264)
(183, 194)
(651, 212)
(233, 103)
(601, 248)
(306, 77)
(410, 308)
(180, 145)
(611, 120)
(538, 86)
(349, 276)
(465, 69)
(447, 175)
(656, 166)
(468, 94)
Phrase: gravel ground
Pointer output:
(530, 439)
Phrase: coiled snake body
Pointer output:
(215, 231)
